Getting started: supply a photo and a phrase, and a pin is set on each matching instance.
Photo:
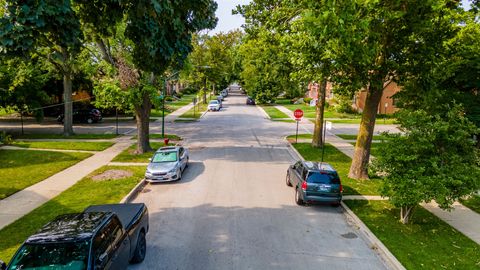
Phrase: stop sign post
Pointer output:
(298, 116)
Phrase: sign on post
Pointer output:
(298, 114)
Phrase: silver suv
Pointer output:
(167, 164)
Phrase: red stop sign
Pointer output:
(298, 113)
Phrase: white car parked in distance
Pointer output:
(214, 105)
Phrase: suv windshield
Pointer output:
(323, 178)
(164, 157)
(214, 102)
(52, 256)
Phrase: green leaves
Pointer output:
(434, 159)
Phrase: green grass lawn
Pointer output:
(159, 136)
(22, 168)
(128, 155)
(354, 137)
(472, 203)
(171, 106)
(341, 163)
(284, 120)
(274, 113)
(301, 136)
(89, 146)
(357, 121)
(309, 112)
(83, 194)
(73, 137)
(426, 243)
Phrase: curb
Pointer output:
(375, 244)
(133, 193)
(263, 111)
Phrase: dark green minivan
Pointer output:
(314, 182)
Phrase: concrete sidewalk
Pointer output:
(22, 202)
(461, 218)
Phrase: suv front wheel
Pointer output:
(288, 179)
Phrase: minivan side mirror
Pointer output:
(3, 265)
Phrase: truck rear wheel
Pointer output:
(140, 249)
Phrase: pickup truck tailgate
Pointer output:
(127, 213)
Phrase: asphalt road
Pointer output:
(232, 209)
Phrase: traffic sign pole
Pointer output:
(298, 116)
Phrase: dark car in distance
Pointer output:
(84, 116)
(314, 182)
(102, 237)
(250, 101)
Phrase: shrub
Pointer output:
(307, 100)
(344, 105)
(5, 138)
(283, 101)
(179, 95)
(168, 98)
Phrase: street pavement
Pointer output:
(232, 209)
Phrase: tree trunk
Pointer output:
(359, 167)
(67, 98)
(142, 113)
(406, 213)
(104, 51)
(317, 140)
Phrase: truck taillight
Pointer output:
(341, 188)
(304, 185)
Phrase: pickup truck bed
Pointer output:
(127, 213)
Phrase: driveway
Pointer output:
(232, 209)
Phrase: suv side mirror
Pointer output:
(3, 265)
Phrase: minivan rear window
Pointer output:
(323, 178)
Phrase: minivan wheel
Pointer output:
(298, 200)
(288, 180)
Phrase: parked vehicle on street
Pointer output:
(314, 182)
(167, 164)
(250, 101)
(214, 105)
(102, 237)
(84, 116)
(220, 98)
(224, 93)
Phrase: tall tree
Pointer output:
(156, 35)
(49, 29)
(376, 42)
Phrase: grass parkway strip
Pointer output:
(84, 193)
(274, 113)
(21, 168)
(426, 243)
(73, 145)
(129, 154)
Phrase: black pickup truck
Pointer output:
(102, 237)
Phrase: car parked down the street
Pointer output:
(250, 101)
(314, 182)
(84, 116)
(214, 105)
(167, 164)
